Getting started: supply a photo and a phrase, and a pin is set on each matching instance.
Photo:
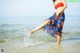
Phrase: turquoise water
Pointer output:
(13, 37)
(12, 31)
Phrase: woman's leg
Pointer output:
(59, 26)
(39, 27)
(58, 39)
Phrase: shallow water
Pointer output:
(15, 40)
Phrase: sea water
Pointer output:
(13, 36)
(13, 31)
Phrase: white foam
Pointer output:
(27, 39)
(29, 42)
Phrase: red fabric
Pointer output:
(59, 5)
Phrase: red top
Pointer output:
(59, 5)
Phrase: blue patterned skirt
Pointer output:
(55, 26)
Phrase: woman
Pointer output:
(54, 24)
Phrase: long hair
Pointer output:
(54, 0)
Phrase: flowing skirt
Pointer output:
(55, 26)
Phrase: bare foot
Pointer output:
(30, 33)
(59, 45)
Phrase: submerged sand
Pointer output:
(69, 46)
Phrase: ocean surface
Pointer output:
(14, 39)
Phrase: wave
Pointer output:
(17, 33)
(71, 33)
(2, 41)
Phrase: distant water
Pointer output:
(14, 35)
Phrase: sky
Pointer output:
(13, 11)
(33, 8)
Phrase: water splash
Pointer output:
(27, 39)
(29, 42)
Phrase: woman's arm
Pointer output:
(62, 9)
